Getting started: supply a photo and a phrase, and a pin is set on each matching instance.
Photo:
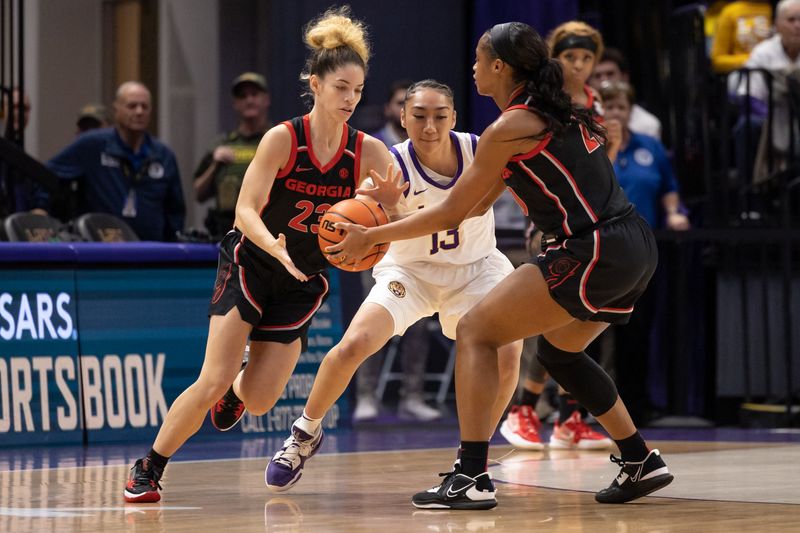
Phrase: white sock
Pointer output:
(308, 424)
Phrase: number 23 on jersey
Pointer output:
(308, 209)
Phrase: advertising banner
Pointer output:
(99, 354)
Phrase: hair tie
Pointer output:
(574, 41)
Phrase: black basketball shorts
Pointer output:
(278, 306)
(600, 276)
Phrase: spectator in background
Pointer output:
(740, 27)
(711, 14)
(15, 194)
(577, 47)
(645, 174)
(613, 67)
(91, 117)
(780, 54)
(125, 171)
(221, 171)
(642, 166)
(393, 132)
(416, 341)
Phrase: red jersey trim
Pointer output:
(572, 183)
(517, 92)
(282, 173)
(538, 148)
(585, 281)
(589, 95)
(243, 280)
(336, 157)
(519, 201)
(556, 200)
(590, 104)
(357, 158)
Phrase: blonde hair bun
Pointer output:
(334, 29)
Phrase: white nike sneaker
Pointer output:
(459, 491)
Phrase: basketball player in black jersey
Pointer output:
(597, 257)
(271, 276)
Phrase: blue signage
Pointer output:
(90, 354)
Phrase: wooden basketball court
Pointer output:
(741, 487)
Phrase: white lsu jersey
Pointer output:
(473, 240)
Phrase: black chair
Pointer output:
(30, 227)
(103, 227)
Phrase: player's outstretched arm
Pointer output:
(508, 135)
(272, 154)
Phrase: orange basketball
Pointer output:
(357, 211)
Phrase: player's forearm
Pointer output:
(251, 225)
(425, 222)
(394, 214)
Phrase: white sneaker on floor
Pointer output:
(415, 408)
(366, 409)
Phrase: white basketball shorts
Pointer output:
(414, 291)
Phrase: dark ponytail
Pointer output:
(522, 48)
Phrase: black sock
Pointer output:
(158, 461)
(474, 456)
(529, 398)
(566, 406)
(633, 448)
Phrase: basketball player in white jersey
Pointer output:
(447, 272)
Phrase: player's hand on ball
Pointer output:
(385, 190)
(278, 251)
(356, 244)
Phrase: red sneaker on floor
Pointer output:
(576, 434)
(521, 428)
(142, 485)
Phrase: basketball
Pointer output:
(356, 211)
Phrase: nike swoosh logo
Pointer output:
(302, 169)
(452, 494)
(420, 192)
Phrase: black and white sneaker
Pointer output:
(458, 491)
(636, 479)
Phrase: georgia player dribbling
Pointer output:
(271, 276)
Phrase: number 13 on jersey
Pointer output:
(446, 240)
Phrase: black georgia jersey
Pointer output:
(304, 189)
(565, 184)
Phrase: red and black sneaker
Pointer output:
(142, 485)
(227, 412)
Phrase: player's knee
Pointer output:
(353, 349)
(549, 356)
(578, 374)
(260, 407)
(469, 329)
(259, 398)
